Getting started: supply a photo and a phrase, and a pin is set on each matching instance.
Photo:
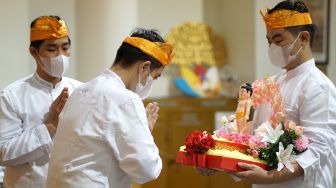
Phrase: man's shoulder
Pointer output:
(70, 82)
(319, 80)
(123, 96)
(17, 85)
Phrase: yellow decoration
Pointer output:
(192, 79)
(163, 52)
(196, 44)
(285, 18)
(46, 28)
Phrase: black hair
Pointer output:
(248, 88)
(299, 6)
(36, 44)
(127, 54)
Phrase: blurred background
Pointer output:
(236, 53)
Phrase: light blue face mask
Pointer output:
(280, 56)
(144, 91)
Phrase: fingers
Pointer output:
(152, 110)
(60, 101)
(250, 169)
(149, 106)
(247, 166)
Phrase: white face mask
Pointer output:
(55, 66)
(280, 55)
(144, 91)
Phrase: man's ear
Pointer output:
(305, 37)
(33, 52)
(145, 66)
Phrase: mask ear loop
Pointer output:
(292, 45)
(139, 77)
(148, 74)
(298, 51)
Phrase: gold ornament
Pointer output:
(196, 44)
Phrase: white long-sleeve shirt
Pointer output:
(25, 142)
(310, 101)
(103, 139)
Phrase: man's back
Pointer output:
(97, 127)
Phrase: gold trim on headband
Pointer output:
(46, 28)
(285, 18)
(163, 52)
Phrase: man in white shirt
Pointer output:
(29, 108)
(309, 99)
(104, 137)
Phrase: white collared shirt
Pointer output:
(103, 139)
(25, 142)
(310, 101)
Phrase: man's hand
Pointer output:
(54, 111)
(256, 175)
(152, 110)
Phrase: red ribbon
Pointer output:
(211, 161)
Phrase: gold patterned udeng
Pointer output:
(285, 18)
(163, 52)
(196, 44)
(46, 28)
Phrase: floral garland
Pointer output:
(268, 91)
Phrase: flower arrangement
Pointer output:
(278, 146)
(275, 143)
(199, 142)
(277, 140)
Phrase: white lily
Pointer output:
(271, 135)
(285, 157)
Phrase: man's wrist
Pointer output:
(51, 128)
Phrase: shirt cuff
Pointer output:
(309, 163)
(44, 137)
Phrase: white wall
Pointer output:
(235, 24)
(14, 37)
(263, 65)
(163, 15)
(102, 26)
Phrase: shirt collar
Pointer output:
(110, 73)
(45, 83)
(300, 69)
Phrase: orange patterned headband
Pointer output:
(285, 18)
(163, 52)
(46, 28)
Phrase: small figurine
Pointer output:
(243, 109)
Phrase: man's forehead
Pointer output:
(60, 41)
(271, 33)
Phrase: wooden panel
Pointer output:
(221, 180)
